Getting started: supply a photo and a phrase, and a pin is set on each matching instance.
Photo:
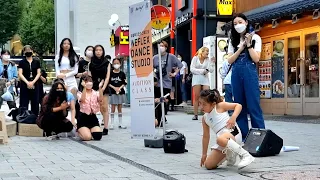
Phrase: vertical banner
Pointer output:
(210, 43)
(278, 69)
(265, 71)
(222, 55)
(141, 71)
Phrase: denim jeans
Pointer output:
(228, 95)
(183, 88)
(245, 85)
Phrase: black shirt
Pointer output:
(5, 71)
(83, 66)
(157, 93)
(98, 76)
(117, 80)
(29, 70)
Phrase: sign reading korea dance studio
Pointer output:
(141, 71)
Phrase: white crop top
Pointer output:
(65, 65)
(216, 121)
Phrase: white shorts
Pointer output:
(238, 138)
(200, 80)
(71, 83)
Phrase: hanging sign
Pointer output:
(160, 17)
(225, 7)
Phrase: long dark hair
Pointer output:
(103, 52)
(211, 96)
(235, 36)
(53, 95)
(5, 51)
(73, 57)
(85, 51)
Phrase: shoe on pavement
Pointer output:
(245, 156)
(111, 127)
(105, 131)
(122, 126)
(183, 104)
(231, 157)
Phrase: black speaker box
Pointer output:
(262, 143)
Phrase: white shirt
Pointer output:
(198, 70)
(185, 66)
(216, 121)
(257, 46)
(65, 65)
(224, 70)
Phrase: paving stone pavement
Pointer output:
(117, 156)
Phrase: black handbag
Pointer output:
(174, 142)
(26, 116)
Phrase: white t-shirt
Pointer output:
(183, 67)
(257, 46)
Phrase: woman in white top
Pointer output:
(201, 65)
(244, 51)
(216, 118)
(66, 65)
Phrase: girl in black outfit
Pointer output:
(118, 81)
(83, 65)
(99, 69)
(29, 74)
(42, 80)
(52, 118)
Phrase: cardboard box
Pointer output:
(31, 130)
(11, 128)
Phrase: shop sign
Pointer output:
(112, 39)
(183, 18)
(160, 17)
(225, 7)
(159, 34)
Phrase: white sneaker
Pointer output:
(111, 127)
(53, 137)
(245, 156)
(231, 157)
(122, 126)
(183, 104)
(245, 160)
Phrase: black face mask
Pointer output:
(28, 54)
(61, 95)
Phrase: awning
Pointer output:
(277, 10)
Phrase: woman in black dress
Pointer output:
(99, 69)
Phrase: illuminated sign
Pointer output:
(225, 7)
(112, 39)
(123, 38)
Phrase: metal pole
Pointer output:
(205, 19)
(161, 92)
(173, 25)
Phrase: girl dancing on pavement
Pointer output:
(228, 134)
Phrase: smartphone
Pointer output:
(234, 131)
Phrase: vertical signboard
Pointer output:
(222, 56)
(278, 69)
(141, 71)
(210, 43)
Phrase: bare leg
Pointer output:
(105, 113)
(85, 134)
(214, 159)
(113, 110)
(196, 90)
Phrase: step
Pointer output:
(11, 128)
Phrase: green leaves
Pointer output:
(37, 26)
(10, 13)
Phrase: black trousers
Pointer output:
(158, 111)
(55, 122)
(27, 95)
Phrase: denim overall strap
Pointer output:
(245, 85)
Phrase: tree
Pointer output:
(37, 26)
(10, 13)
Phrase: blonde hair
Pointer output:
(200, 51)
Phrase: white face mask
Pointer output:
(89, 54)
(116, 66)
(240, 28)
(162, 49)
(6, 57)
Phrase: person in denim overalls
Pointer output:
(244, 51)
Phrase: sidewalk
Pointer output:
(117, 156)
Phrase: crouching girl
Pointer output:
(88, 123)
(227, 131)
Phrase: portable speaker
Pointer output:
(262, 143)
(174, 142)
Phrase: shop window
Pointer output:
(293, 83)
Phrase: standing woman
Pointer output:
(66, 65)
(99, 68)
(29, 74)
(83, 65)
(201, 65)
(244, 51)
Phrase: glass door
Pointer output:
(294, 75)
(310, 72)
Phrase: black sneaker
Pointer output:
(195, 117)
(105, 131)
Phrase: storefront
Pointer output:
(289, 65)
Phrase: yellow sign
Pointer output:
(123, 38)
(225, 7)
(112, 40)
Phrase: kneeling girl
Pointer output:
(227, 132)
(88, 123)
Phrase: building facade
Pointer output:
(289, 65)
